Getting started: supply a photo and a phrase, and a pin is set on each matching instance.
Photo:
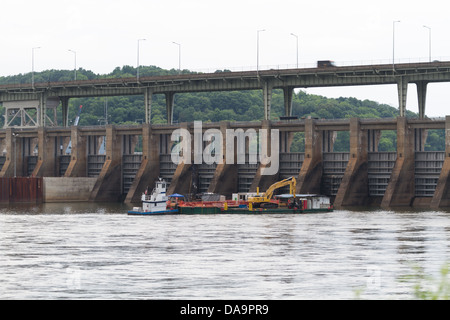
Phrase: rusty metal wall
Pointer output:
(4, 190)
(21, 189)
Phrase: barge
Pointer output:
(158, 203)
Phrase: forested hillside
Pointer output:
(216, 106)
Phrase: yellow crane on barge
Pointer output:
(265, 200)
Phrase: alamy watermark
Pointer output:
(209, 147)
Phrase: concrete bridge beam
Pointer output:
(169, 106)
(422, 95)
(288, 98)
(267, 98)
(65, 111)
(402, 89)
(148, 96)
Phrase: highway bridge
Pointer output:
(29, 102)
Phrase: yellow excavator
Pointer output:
(264, 201)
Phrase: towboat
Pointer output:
(154, 203)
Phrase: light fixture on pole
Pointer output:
(257, 49)
(32, 65)
(75, 69)
(393, 44)
(137, 74)
(297, 46)
(429, 41)
(179, 56)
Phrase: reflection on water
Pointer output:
(97, 251)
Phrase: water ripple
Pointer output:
(82, 252)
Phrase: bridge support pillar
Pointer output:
(149, 170)
(267, 98)
(148, 96)
(310, 174)
(401, 188)
(65, 111)
(441, 198)
(354, 188)
(108, 184)
(288, 97)
(422, 95)
(78, 156)
(402, 88)
(41, 112)
(169, 106)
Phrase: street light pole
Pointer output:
(393, 44)
(179, 56)
(32, 65)
(74, 52)
(257, 49)
(429, 41)
(137, 74)
(297, 46)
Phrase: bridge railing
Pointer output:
(313, 64)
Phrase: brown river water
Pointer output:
(97, 251)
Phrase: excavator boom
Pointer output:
(267, 196)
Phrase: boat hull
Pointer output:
(217, 210)
(152, 213)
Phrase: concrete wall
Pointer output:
(67, 189)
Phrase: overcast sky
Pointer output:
(223, 35)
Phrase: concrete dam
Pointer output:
(103, 164)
